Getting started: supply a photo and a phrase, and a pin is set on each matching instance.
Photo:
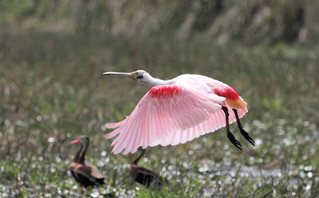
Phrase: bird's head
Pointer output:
(140, 76)
(83, 140)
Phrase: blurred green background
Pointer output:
(52, 55)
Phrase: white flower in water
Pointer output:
(51, 139)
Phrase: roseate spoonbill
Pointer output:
(87, 175)
(143, 175)
(176, 111)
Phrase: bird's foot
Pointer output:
(233, 140)
(247, 136)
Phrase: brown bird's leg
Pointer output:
(230, 136)
(242, 131)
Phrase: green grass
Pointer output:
(52, 90)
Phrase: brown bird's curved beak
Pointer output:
(76, 141)
(128, 74)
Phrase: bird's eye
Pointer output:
(140, 76)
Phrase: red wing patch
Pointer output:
(229, 92)
(165, 91)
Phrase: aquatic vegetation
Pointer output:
(52, 91)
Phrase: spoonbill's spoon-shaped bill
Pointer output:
(119, 73)
(176, 111)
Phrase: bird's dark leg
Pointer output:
(242, 131)
(230, 136)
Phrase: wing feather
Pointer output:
(173, 118)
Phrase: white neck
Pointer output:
(148, 80)
(157, 81)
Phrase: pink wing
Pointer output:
(215, 122)
(169, 114)
(113, 125)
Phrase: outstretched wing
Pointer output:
(163, 114)
(213, 123)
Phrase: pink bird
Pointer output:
(176, 111)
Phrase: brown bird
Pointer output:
(85, 174)
(143, 175)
